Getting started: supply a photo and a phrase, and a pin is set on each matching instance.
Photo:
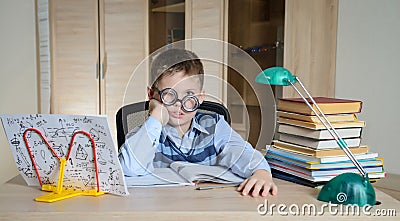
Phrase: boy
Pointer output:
(175, 131)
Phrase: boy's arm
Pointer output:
(245, 161)
(137, 153)
(237, 154)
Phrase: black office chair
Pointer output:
(133, 115)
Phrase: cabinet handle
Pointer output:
(104, 66)
(102, 71)
(97, 71)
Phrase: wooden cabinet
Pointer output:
(97, 44)
(297, 34)
(193, 19)
(257, 27)
(242, 23)
(95, 47)
(166, 23)
(75, 57)
(310, 45)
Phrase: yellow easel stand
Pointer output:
(60, 193)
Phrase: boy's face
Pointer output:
(184, 85)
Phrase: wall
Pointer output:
(18, 90)
(367, 68)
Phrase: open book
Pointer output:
(183, 174)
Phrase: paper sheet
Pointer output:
(160, 177)
(58, 130)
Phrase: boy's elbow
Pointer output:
(135, 169)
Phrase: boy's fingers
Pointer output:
(240, 187)
(274, 189)
(258, 188)
(249, 185)
(266, 189)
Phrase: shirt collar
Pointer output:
(196, 125)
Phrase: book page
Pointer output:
(160, 177)
(203, 173)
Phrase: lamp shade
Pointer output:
(276, 76)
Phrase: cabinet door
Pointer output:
(96, 46)
(206, 19)
(257, 27)
(74, 55)
(310, 45)
(125, 46)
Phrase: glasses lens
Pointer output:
(190, 103)
(168, 96)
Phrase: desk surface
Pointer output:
(169, 203)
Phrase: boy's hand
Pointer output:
(158, 111)
(259, 184)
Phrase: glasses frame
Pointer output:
(182, 101)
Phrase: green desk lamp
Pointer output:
(347, 188)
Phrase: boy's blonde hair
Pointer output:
(174, 60)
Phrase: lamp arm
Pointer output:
(342, 144)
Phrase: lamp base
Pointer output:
(348, 188)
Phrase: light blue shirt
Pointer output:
(147, 147)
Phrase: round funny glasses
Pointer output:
(169, 97)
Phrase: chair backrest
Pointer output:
(133, 115)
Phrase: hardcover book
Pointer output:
(320, 166)
(328, 105)
(315, 184)
(313, 118)
(323, 172)
(319, 125)
(321, 134)
(322, 178)
(318, 144)
(294, 179)
(317, 153)
(313, 159)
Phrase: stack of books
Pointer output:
(306, 153)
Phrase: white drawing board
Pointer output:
(58, 129)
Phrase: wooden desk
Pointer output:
(172, 203)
